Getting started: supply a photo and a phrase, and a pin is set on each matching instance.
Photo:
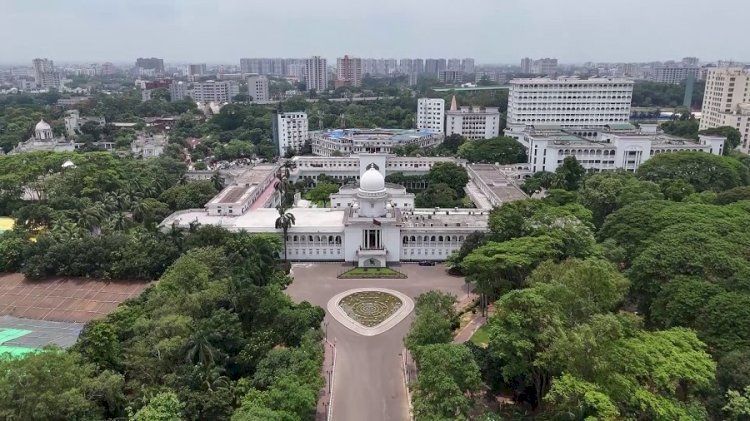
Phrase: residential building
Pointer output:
(45, 74)
(264, 66)
(196, 69)
(431, 114)
(451, 76)
(569, 101)
(214, 91)
(691, 61)
(257, 88)
(177, 91)
(472, 122)
(603, 148)
(675, 73)
(544, 67)
(526, 65)
(316, 74)
(433, 66)
(74, 121)
(454, 64)
(726, 101)
(348, 72)
(467, 65)
(153, 66)
(290, 132)
(345, 142)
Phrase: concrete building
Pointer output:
(45, 74)
(264, 66)
(257, 88)
(433, 66)
(152, 66)
(603, 148)
(544, 66)
(196, 69)
(348, 71)
(726, 101)
(691, 61)
(526, 65)
(148, 145)
(472, 122)
(370, 222)
(467, 66)
(177, 91)
(431, 114)
(74, 121)
(454, 64)
(44, 140)
(316, 74)
(290, 132)
(569, 101)
(344, 142)
(451, 76)
(675, 73)
(214, 91)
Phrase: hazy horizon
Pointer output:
(492, 32)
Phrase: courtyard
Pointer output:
(369, 383)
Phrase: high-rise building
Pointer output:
(150, 65)
(214, 91)
(316, 74)
(467, 65)
(257, 88)
(454, 64)
(569, 101)
(348, 71)
(431, 67)
(691, 61)
(196, 69)
(472, 122)
(263, 66)
(108, 69)
(451, 76)
(544, 66)
(526, 65)
(675, 73)
(431, 114)
(290, 132)
(726, 101)
(45, 74)
(177, 91)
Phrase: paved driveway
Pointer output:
(369, 385)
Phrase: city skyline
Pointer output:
(219, 33)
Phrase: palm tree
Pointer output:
(216, 180)
(91, 217)
(199, 350)
(284, 222)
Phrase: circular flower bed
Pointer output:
(370, 308)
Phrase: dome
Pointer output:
(372, 181)
(42, 125)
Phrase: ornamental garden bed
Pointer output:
(372, 273)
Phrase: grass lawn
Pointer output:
(481, 337)
(374, 273)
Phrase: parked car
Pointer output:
(426, 263)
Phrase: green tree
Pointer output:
(438, 195)
(164, 406)
(429, 327)
(321, 192)
(576, 399)
(570, 174)
(284, 222)
(703, 171)
(733, 135)
(451, 174)
(604, 193)
(738, 404)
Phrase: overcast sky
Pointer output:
(492, 31)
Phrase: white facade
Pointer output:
(603, 149)
(726, 102)
(257, 88)
(291, 132)
(214, 91)
(44, 140)
(316, 74)
(177, 91)
(569, 101)
(341, 142)
(472, 122)
(372, 229)
(431, 114)
(675, 73)
(148, 145)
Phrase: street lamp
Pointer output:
(325, 327)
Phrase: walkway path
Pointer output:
(324, 399)
(368, 384)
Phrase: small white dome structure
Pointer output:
(372, 181)
(42, 125)
(43, 131)
(68, 164)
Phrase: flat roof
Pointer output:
(445, 218)
(393, 135)
(233, 194)
(264, 219)
(498, 182)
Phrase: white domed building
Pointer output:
(370, 223)
(44, 140)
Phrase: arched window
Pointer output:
(405, 240)
(338, 239)
(413, 239)
(440, 238)
(432, 238)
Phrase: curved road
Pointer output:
(368, 385)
